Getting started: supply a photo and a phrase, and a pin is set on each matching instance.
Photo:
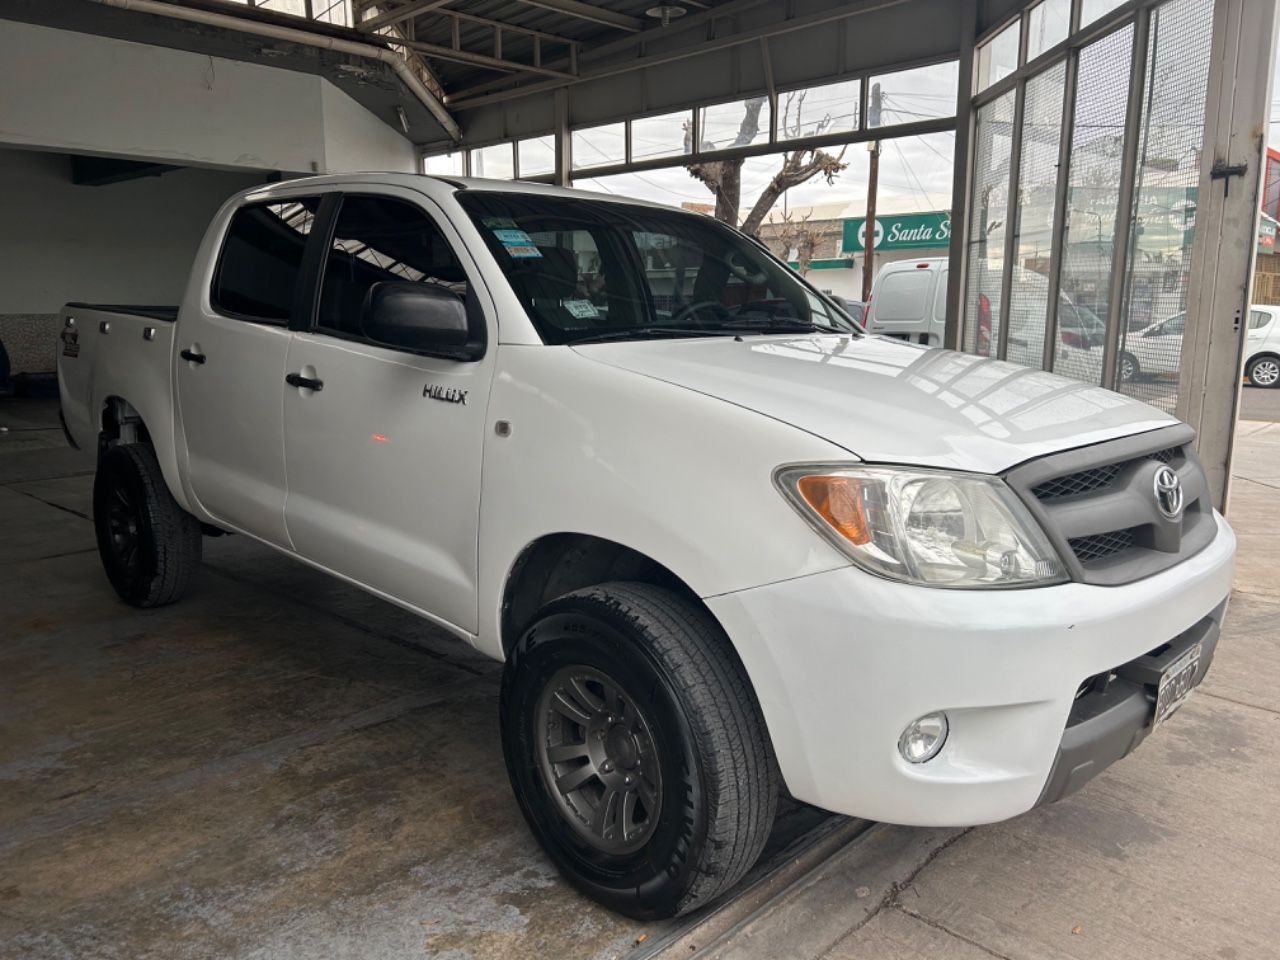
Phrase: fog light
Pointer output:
(923, 738)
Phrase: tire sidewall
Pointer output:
(119, 468)
(651, 882)
(1129, 362)
(1253, 365)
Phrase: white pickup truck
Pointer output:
(724, 541)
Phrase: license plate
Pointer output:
(1176, 683)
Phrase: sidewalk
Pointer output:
(1173, 852)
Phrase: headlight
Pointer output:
(930, 527)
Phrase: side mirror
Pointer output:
(422, 317)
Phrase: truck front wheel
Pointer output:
(150, 546)
(636, 748)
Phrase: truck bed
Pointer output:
(162, 313)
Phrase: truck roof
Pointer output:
(329, 182)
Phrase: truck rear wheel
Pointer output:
(636, 748)
(150, 546)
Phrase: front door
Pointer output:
(384, 457)
(229, 373)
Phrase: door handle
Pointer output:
(192, 357)
(304, 383)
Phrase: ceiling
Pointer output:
(494, 62)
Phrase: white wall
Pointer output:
(356, 140)
(79, 93)
(130, 242)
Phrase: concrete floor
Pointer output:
(281, 766)
(278, 766)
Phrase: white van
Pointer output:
(909, 300)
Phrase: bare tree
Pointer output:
(724, 177)
(797, 235)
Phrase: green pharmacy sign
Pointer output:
(910, 231)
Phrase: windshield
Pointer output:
(590, 270)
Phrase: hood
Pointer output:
(887, 401)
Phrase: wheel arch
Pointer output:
(119, 420)
(558, 563)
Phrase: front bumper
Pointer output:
(842, 661)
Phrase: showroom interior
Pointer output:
(286, 766)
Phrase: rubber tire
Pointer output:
(1248, 372)
(1137, 369)
(169, 537)
(719, 777)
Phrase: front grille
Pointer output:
(1102, 545)
(1096, 478)
(1098, 505)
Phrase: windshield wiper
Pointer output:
(777, 325)
(640, 333)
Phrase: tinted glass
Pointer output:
(257, 274)
(377, 240)
(1258, 319)
(589, 269)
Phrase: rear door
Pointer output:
(384, 459)
(230, 369)
(901, 302)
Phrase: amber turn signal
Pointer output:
(838, 500)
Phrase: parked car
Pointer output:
(1262, 346)
(1154, 351)
(854, 308)
(719, 549)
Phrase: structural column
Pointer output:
(1227, 206)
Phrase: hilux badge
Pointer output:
(445, 394)
(1168, 492)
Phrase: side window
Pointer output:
(261, 259)
(375, 240)
(1258, 319)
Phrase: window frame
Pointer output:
(476, 314)
(304, 282)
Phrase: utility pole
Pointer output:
(873, 175)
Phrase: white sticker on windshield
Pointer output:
(513, 238)
(517, 243)
(582, 309)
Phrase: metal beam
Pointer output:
(1222, 254)
(462, 101)
(396, 14)
(1011, 217)
(590, 13)
(600, 51)
(918, 128)
(479, 59)
(1061, 192)
(1123, 233)
(960, 180)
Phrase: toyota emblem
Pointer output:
(1168, 492)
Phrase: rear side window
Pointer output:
(261, 260)
(1258, 319)
(903, 295)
